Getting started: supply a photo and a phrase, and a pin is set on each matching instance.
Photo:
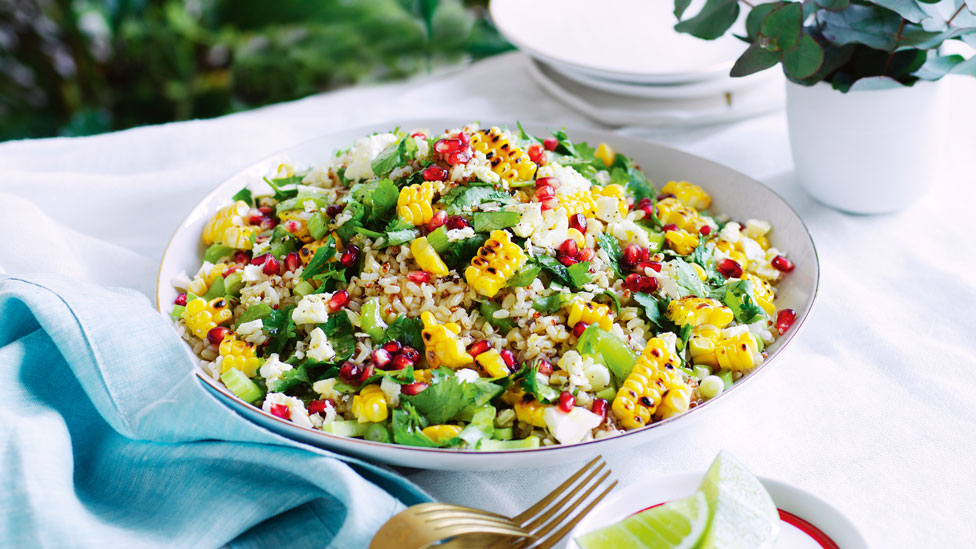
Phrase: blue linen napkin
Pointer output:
(108, 439)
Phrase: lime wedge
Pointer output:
(743, 514)
(677, 524)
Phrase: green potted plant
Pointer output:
(864, 104)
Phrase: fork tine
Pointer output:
(542, 503)
(448, 508)
(553, 522)
(569, 496)
(552, 539)
(463, 528)
(449, 521)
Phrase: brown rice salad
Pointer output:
(481, 289)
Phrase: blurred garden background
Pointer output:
(81, 67)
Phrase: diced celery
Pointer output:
(254, 312)
(239, 384)
(502, 433)
(701, 372)
(607, 394)
(303, 288)
(298, 203)
(318, 225)
(282, 248)
(233, 283)
(726, 377)
(346, 428)
(438, 239)
(371, 322)
(177, 312)
(488, 308)
(528, 442)
(656, 241)
(216, 289)
(609, 349)
(217, 251)
(377, 432)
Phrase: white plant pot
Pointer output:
(868, 152)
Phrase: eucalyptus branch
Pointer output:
(949, 22)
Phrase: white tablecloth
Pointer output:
(873, 408)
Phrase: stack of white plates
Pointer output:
(622, 63)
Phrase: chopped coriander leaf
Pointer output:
(407, 425)
(445, 399)
(245, 195)
(524, 135)
(319, 260)
(652, 308)
(291, 378)
(254, 312)
(553, 265)
(551, 304)
(542, 392)
(565, 146)
(524, 277)
(489, 221)
(579, 273)
(460, 253)
(280, 328)
(610, 245)
(487, 310)
(688, 281)
(740, 297)
(407, 331)
(278, 186)
(460, 199)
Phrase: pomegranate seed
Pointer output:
(785, 319)
(412, 389)
(536, 153)
(419, 277)
(648, 211)
(421, 135)
(350, 255)
(566, 401)
(217, 334)
(241, 257)
(180, 300)
(381, 358)
(410, 353)
(634, 282)
(292, 226)
(281, 410)
(545, 367)
(730, 268)
(446, 146)
(439, 219)
(232, 269)
(586, 254)
(366, 374)
(259, 260)
(653, 265)
(401, 362)
(334, 210)
(319, 406)
(460, 157)
(271, 266)
(256, 219)
(509, 358)
(393, 346)
(579, 328)
(665, 196)
(292, 262)
(349, 372)
(547, 182)
(550, 143)
(268, 223)
(566, 260)
(670, 227)
(478, 347)
(650, 284)
(631, 255)
(599, 407)
(569, 248)
(464, 138)
(435, 173)
(783, 264)
(705, 230)
(578, 222)
(544, 193)
(456, 222)
(266, 210)
(338, 300)
(550, 204)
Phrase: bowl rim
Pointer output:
(366, 445)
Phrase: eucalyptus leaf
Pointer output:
(755, 18)
(909, 9)
(754, 59)
(714, 19)
(805, 59)
(834, 5)
(783, 27)
(680, 6)
(861, 25)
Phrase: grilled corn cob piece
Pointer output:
(496, 262)
(442, 344)
(442, 433)
(699, 310)
(531, 413)
(606, 154)
(491, 361)
(676, 401)
(681, 242)
(238, 354)
(654, 376)
(427, 258)
(763, 291)
(414, 202)
(685, 218)
(369, 405)
(711, 347)
(201, 316)
(297, 225)
(689, 194)
(228, 227)
(589, 312)
(508, 161)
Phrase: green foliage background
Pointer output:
(79, 67)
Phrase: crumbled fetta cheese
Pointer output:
(628, 231)
(391, 390)
(529, 220)
(324, 417)
(272, 368)
(326, 388)
(361, 156)
(181, 281)
(607, 209)
(254, 273)
(670, 340)
(299, 415)
(204, 269)
(479, 167)
(261, 246)
(757, 227)
(752, 249)
(423, 148)
(760, 329)
(764, 267)
(312, 309)
(466, 375)
(555, 225)
(570, 180)
(730, 232)
(572, 363)
(299, 349)
(603, 177)
(319, 348)
(253, 332)
(572, 427)
(454, 235)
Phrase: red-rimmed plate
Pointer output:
(808, 522)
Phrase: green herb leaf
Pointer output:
(291, 378)
(715, 17)
(579, 273)
(741, 298)
(461, 199)
(461, 251)
(319, 260)
(245, 195)
(279, 185)
(524, 277)
(351, 227)
(254, 312)
(551, 304)
(652, 308)
(553, 265)
(489, 221)
(487, 309)
(341, 334)
(542, 392)
(565, 146)
(408, 427)
(280, 328)
(688, 281)
(611, 245)
(613, 297)
(442, 401)
(407, 331)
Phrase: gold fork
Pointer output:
(421, 525)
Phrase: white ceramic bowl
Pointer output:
(732, 192)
